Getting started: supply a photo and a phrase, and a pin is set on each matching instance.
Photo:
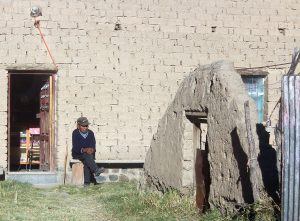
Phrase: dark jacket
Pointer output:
(78, 142)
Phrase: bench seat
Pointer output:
(77, 167)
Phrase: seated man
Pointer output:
(84, 148)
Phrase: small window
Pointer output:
(255, 86)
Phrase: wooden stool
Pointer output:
(77, 174)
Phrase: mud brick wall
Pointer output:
(124, 78)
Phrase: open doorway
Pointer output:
(30, 111)
(202, 169)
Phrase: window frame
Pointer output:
(258, 74)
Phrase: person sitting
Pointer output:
(84, 148)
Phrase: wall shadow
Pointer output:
(242, 159)
(2, 177)
(207, 177)
(267, 160)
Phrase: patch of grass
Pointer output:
(24, 202)
(264, 210)
(109, 201)
(129, 204)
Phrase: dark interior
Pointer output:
(202, 169)
(24, 109)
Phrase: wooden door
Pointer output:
(45, 125)
(202, 173)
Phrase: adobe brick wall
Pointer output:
(124, 80)
(3, 118)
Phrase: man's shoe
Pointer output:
(99, 171)
(99, 179)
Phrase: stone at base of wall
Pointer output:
(109, 175)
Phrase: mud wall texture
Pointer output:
(123, 79)
(219, 91)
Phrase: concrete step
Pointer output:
(39, 178)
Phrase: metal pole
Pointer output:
(285, 147)
(292, 146)
(297, 149)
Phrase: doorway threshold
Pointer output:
(33, 177)
(30, 172)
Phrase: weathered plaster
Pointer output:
(218, 90)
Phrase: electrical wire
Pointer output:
(295, 61)
(267, 66)
(37, 25)
(278, 102)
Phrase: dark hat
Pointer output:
(83, 121)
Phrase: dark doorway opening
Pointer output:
(24, 123)
(202, 169)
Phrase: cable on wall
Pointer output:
(267, 66)
(35, 12)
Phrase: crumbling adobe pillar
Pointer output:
(218, 91)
